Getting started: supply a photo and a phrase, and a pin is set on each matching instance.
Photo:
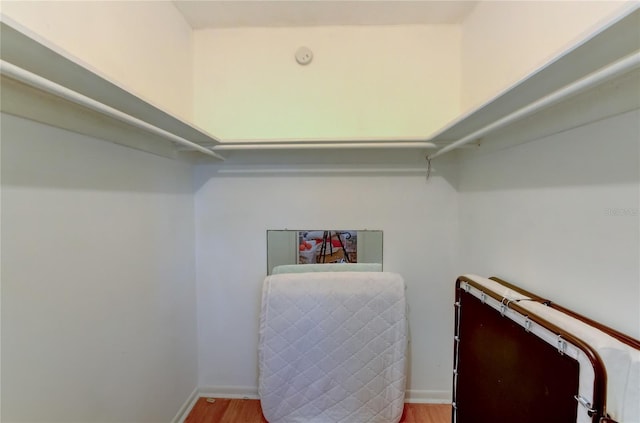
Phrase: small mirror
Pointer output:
(322, 246)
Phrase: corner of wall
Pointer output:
(186, 408)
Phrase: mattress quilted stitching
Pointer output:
(330, 354)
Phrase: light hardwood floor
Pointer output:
(249, 411)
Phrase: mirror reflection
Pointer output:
(285, 247)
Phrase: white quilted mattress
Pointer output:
(332, 347)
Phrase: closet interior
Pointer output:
(146, 155)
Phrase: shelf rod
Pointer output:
(328, 145)
(613, 70)
(344, 170)
(296, 141)
(14, 72)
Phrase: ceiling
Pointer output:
(279, 13)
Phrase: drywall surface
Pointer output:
(145, 46)
(504, 41)
(363, 82)
(98, 283)
(559, 217)
(233, 213)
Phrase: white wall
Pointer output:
(504, 41)
(232, 215)
(145, 46)
(98, 280)
(555, 216)
(559, 216)
(363, 81)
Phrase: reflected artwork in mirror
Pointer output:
(288, 247)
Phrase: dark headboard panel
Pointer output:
(507, 375)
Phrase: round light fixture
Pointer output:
(304, 55)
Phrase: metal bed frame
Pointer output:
(504, 374)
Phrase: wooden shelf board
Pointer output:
(30, 52)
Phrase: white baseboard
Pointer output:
(186, 407)
(249, 392)
(427, 397)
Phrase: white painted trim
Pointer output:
(427, 397)
(186, 408)
(249, 392)
(322, 140)
(338, 145)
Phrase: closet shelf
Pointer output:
(72, 96)
(326, 144)
(609, 52)
(45, 84)
(42, 83)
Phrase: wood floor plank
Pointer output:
(252, 412)
(224, 410)
(427, 413)
(205, 412)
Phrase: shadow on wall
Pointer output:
(37, 155)
(605, 152)
(559, 216)
(326, 163)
